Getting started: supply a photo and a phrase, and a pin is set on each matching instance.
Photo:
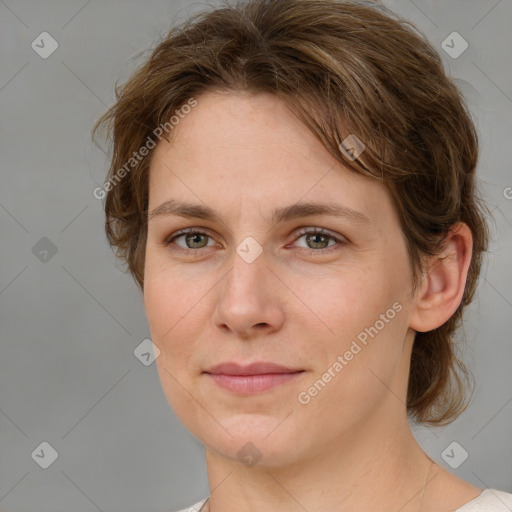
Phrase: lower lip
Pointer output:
(247, 384)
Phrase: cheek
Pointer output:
(343, 302)
(177, 308)
(170, 294)
(166, 310)
(360, 316)
(169, 317)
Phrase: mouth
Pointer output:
(253, 378)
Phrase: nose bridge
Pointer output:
(248, 276)
(245, 301)
(248, 260)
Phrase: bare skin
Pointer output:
(301, 303)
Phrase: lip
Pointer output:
(253, 378)
(258, 368)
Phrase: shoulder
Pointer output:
(490, 500)
(194, 508)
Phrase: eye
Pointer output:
(192, 238)
(317, 240)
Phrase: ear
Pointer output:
(442, 287)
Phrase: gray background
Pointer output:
(70, 321)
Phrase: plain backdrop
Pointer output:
(71, 386)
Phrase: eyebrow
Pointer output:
(304, 209)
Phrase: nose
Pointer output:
(249, 299)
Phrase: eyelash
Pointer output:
(301, 233)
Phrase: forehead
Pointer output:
(244, 123)
(254, 150)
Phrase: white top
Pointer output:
(490, 500)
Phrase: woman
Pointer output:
(293, 189)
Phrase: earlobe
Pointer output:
(441, 291)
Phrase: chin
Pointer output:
(253, 439)
(254, 451)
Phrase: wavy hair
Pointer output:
(344, 67)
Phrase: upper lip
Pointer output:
(259, 368)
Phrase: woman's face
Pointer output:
(256, 284)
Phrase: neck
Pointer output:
(378, 467)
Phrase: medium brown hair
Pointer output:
(344, 67)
